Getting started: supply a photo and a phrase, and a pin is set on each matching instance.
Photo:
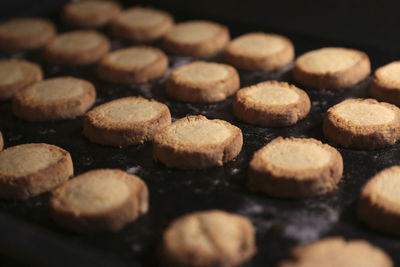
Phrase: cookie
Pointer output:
(271, 104)
(194, 142)
(208, 238)
(335, 251)
(259, 51)
(202, 82)
(16, 74)
(386, 83)
(140, 24)
(25, 33)
(331, 68)
(379, 202)
(90, 13)
(76, 48)
(31, 169)
(126, 121)
(99, 200)
(362, 124)
(54, 99)
(1, 141)
(295, 167)
(196, 39)
(136, 64)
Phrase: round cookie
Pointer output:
(90, 13)
(335, 251)
(31, 169)
(194, 142)
(295, 167)
(386, 83)
(331, 68)
(202, 82)
(208, 238)
(136, 64)
(99, 200)
(196, 39)
(126, 121)
(76, 48)
(271, 104)
(362, 124)
(379, 202)
(1, 142)
(25, 33)
(140, 24)
(259, 51)
(54, 99)
(16, 74)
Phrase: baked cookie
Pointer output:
(386, 83)
(25, 33)
(259, 51)
(99, 200)
(331, 68)
(271, 104)
(140, 24)
(90, 13)
(295, 167)
(194, 142)
(196, 39)
(136, 64)
(31, 169)
(54, 99)
(379, 202)
(76, 48)
(16, 74)
(202, 82)
(126, 121)
(208, 238)
(1, 141)
(362, 124)
(335, 251)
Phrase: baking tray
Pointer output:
(29, 237)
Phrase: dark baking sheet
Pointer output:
(29, 237)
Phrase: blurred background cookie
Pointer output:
(140, 24)
(16, 74)
(136, 64)
(196, 39)
(76, 48)
(386, 83)
(259, 51)
(54, 99)
(331, 68)
(202, 82)
(90, 13)
(1, 141)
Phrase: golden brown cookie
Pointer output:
(379, 204)
(136, 64)
(16, 74)
(202, 82)
(331, 68)
(99, 200)
(208, 238)
(1, 141)
(196, 39)
(362, 124)
(141, 24)
(194, 142)
(54, 99)
(126, 121)
(259, 51)
(386, 83)
(76, 48)
(335, 252)
(31, 169)
(295, 167)
(90, 13)
(271, 104)
(25, 34)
